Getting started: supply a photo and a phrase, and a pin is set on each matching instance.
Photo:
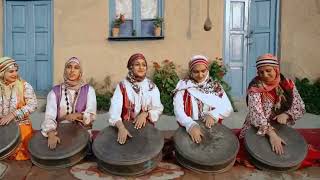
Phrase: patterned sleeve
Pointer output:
(31, 103)
(256, 113)
(297, 109)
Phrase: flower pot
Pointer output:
(115, 32)
(157, 31)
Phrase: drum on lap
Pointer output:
(139, 155)
(215, 154)
(72, 148)
(261, 155)
(9, 139)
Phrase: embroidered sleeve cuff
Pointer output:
(264, 129)
(191, 125)
(113, 122)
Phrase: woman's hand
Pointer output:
(209, 121)
(6, 119)
(196, 134)
(276, 142)
(123, 133)
(74, 117)
(282, 118)
(141, 120)
(53, 140)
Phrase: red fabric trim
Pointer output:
(127, 106)
(187, 103)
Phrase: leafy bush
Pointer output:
(166, 79)
(104, 93)
(217, 71)
(310, 93)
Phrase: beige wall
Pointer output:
(300, 38)
(81, 29)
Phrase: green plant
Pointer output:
(217, 71)
(118, 21)
(310, 94)
(104, 93)
(158, 21)
(166, 79)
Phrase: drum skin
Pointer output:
(72, 148)
(215, 154)
(139, 155)
(261, 154)
(9, 140)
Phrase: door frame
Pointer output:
(51, 36)
(224, 49)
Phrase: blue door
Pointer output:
(28, 39)
(250, 30)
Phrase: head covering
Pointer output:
(135, 57)
(267, 60)
(75, 84)
(131, 77)
(279, 91)
(5, 64)
(198, 59)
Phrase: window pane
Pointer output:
(148, 9)
(124, 7)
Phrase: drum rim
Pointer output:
(130, 162)
(271, 163)
(65, 155)
(207, 164)
(16, 138)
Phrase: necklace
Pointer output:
(2, 96)
(67, 99)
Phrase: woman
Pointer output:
(271, 98)
(18, 101)
(135, 99)
(73, 100)
(199, 98)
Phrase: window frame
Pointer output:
(136, 20)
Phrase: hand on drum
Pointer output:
(123, 133)
(6, 119)
(196, 134)
(282, 118)
(141, 120)
(209, 121)
(53, 140)
(276, 142)
(74, 117)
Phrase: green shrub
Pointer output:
(217, 71)
(310, 93)
(166, 79)
(104, 93)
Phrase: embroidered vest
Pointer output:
(127, 113)
(81, 104)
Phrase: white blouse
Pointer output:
(213, 105)
(50, 123)
(148, 100)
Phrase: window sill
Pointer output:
(135, 38)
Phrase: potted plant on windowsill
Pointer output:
(116, 25)
(157, 25)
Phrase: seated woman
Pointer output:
(270, 97)
(199, 98)
(135, 99)
(18, 101)
(73, 100)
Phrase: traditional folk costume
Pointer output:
(69, 97)
(19, 99)
(266, 101)
(134, 95)
(193, 101)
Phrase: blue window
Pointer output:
(139, 16)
